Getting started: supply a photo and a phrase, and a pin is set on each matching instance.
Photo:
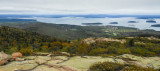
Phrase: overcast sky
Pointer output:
(79, 6)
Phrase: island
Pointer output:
(151, 21)
(132, 22)
(92, 23)
(113, 23)
(155, 25)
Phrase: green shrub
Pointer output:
(110, 66)
(112, 50)
(138, 51)
(98, 51)
(123, 51)
(26, 51)
(136, 68)
(142, 52)
(130, 42)
(106, 66)
(12, 50)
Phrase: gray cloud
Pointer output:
(80, 6)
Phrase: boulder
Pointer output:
(19, 59)
(16, 55)
(129, 57)
(65, 53)
(3, 58)
(41, 54)
(49, 55)
(40, 62)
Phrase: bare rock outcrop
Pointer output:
(16, 55)
(3, 58)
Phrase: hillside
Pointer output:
(13, 39)
(72, 32)
(52, 54)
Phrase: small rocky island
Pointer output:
(151, 21)
(156, 25)
(113, 23)
(132, 22)
(90, 24)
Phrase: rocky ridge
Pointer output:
(50, 62)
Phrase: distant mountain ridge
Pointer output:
(77, 15)
(17, 20)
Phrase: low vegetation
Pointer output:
(137, 46)
(13, 40)
(109, 66)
